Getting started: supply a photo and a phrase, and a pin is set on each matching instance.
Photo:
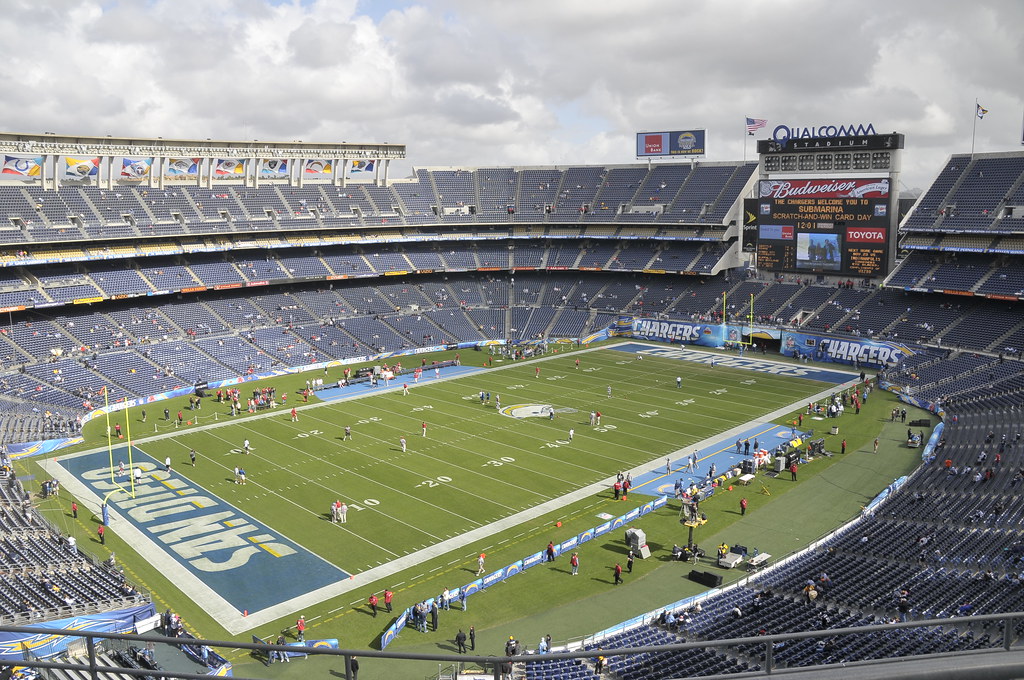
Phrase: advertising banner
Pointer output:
(675, 143)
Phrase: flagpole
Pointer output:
(974, 126)
(745, 135)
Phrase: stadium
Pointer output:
(289, 387)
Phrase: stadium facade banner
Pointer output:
(225, 167)
(135, 168)
(682, 332)
(676, 143)
(363, 166)
(318, 166)
(80, 168)
(273, 167)
(876, 353)
(13, 645)
(180, 167)
(26, 166)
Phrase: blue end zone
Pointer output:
(761, 366)
(247, 563)
(723, 455)
(364, 389)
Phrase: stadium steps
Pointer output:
(968, 171)
(726, 187)
(941, 332)
(554, 320)
(817, 310)
(981, 282)
(150, 215)
(994, 347)
(689, 265)
(67, 225)
(558, 196)
(192, 202)
(477, 201)
(92, 206)
(923, 281)
(866, 302)
(683, 189)
(741, 312)
(347, 213)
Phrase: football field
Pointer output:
(469, 469)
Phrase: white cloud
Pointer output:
(464, 82)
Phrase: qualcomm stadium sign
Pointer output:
(783, 133)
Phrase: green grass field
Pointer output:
(477, 467)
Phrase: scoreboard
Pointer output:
(824, 226)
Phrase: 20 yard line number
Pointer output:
(435, 482)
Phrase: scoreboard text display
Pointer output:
(838, 226)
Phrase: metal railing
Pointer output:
(493, 664)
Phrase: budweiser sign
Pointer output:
(824, 188)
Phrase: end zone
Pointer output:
(222, 558)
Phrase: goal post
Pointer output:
(750, 322)
(130, 490)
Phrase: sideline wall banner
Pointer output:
(681, 332)
(873, 353)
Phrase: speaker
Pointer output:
(739, 549)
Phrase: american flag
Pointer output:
(755, 124)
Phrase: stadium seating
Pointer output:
(45, 576)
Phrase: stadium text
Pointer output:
(784, 132)
(672, 331)
(212, 537)
(842, 350)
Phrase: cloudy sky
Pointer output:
(521, 82)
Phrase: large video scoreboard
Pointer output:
(825, 205)
(825, 226)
